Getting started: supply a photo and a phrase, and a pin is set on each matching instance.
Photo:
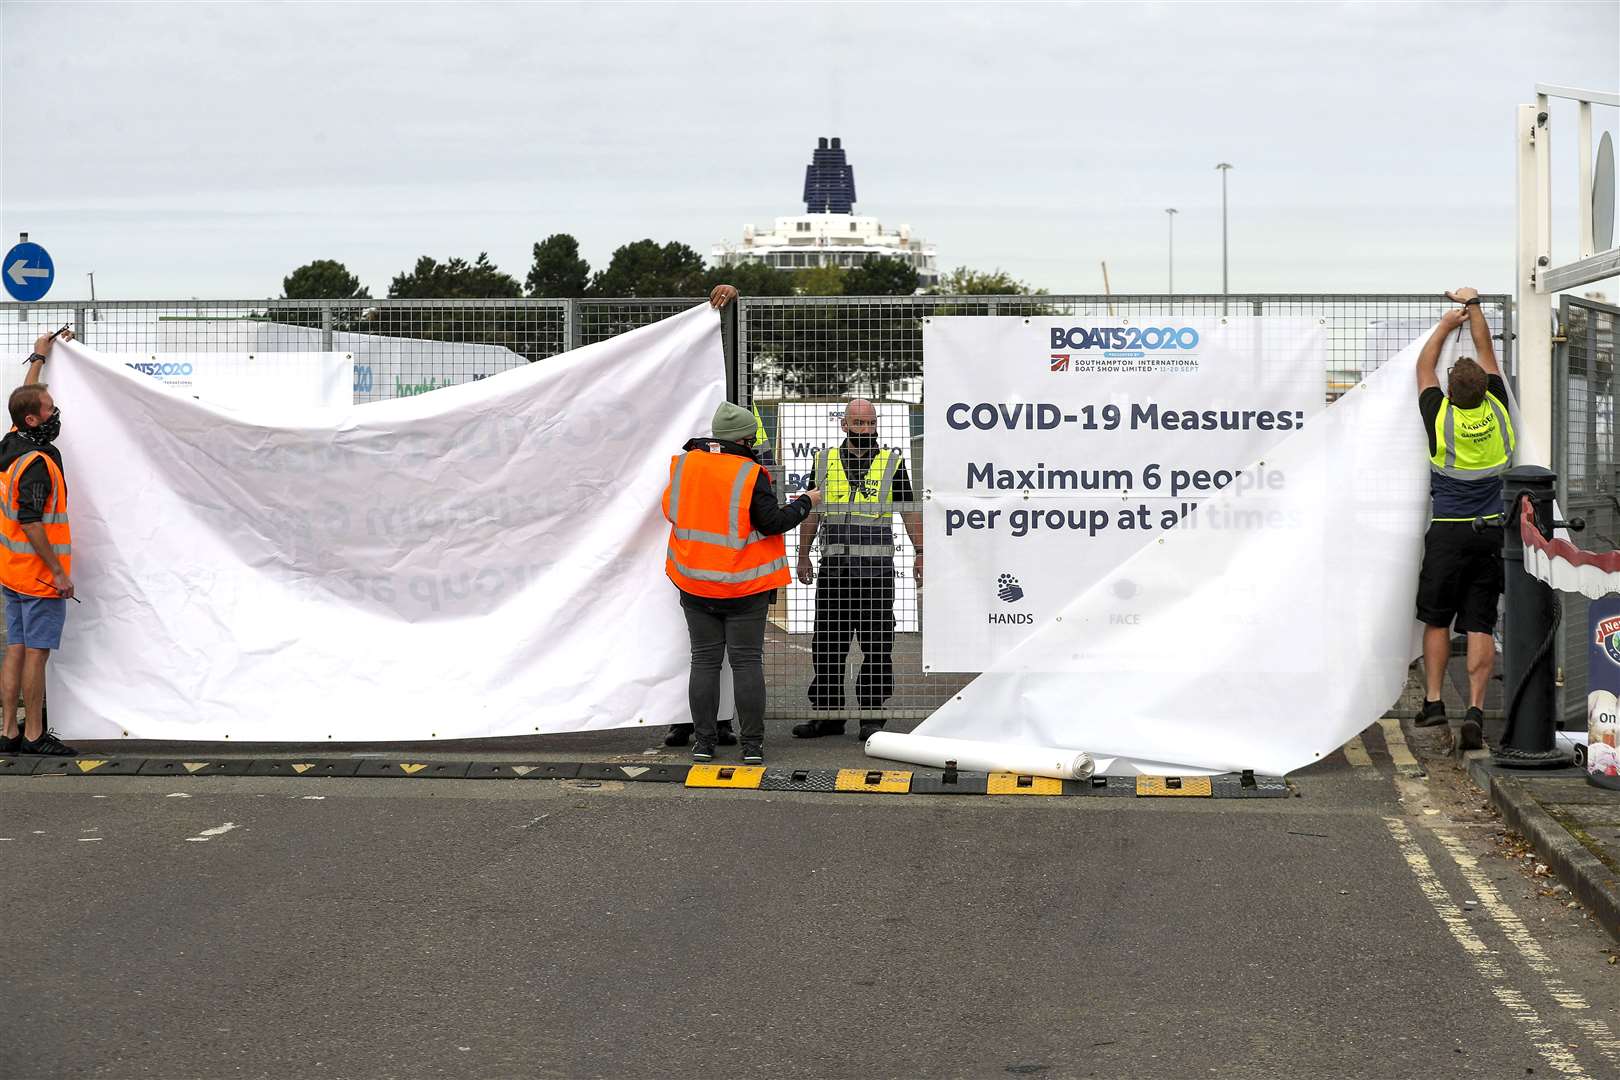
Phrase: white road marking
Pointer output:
(89, 839)
(1551, 1048)
(208, 834)
(177, 795)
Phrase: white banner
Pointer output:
(1264, 638)
(803, 431)
(1060, 446)
(271, 380)
(458, 564)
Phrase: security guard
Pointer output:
(855, 588)
(1470, 446)
(727, 557)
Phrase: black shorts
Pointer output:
(1461, 576)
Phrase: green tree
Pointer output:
(881, 277)
(647, 268)
(751, 279)
(965, 282)
(558, 271)
(456, 279)
(820, 281)
(323, 279)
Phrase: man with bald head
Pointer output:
(861, 482)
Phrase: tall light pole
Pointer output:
(1171, 213)
(1223, 168)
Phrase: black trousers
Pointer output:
(719, 629)
(861, 608)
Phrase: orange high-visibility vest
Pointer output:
(21, 568)
(713, 548)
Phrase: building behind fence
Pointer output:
(789, 351)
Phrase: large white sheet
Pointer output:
(1274, 624)
(483, 560)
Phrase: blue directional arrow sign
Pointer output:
(27, 271)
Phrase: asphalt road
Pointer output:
(258, 927)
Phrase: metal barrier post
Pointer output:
(1528, 739)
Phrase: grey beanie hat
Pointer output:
(734, 423)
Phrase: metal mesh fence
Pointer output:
(798, 359)
(1584, 458)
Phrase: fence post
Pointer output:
(78, 325)
(728, 343)
(570, 325)
(326, 326)
(1259, 307)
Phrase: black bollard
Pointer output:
(1529, 738)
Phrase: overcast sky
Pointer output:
(205, 150)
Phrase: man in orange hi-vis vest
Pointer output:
(36, 556)
(727, 557)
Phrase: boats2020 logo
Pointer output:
(1118, 342)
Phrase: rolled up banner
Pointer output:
(974, 756)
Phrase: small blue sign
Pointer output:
(28, 272)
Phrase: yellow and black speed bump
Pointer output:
(1008, 783)
(725, 776)
(1246, 785)
(1116, 786)
(645, 774)
(86, 766)
(425, 770)
(885, 781)
(307, 767)
(1197, 787)
(799, 780)
(176, 767)
(948, 782)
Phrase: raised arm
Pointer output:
(42, 352)
(1430, 356)
(1478, 329)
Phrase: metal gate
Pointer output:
(1584, 458)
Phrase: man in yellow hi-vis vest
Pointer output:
(862, 483)
(1470, 447)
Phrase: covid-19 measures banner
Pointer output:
(296, 380)
(1060, 446)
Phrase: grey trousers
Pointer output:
(735, 629)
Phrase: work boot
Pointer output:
(815, 729)
(870, 728)
(1433, 714)
(678, 735)
(723, 735)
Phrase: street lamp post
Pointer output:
(1223, 168)
(1171, 213)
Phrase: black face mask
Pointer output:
(862, 441)
(45, 433)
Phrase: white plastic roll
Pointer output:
(974, 756)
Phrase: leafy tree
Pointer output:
(965, 282)
(752, 279)
(820, 281)
(647, 268)
(457, 279)
(881, 277)
(323, 279)
(558, 271)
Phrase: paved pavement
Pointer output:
(1377, 925)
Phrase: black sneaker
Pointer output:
(753, 754)
(47, 745)
(724, 735)
(1471, 735)
(869, 730)
(815, 729)
(702, 751)
(1433, 714)
(678, 735)
(11, 744)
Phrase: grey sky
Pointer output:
(205, 150)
